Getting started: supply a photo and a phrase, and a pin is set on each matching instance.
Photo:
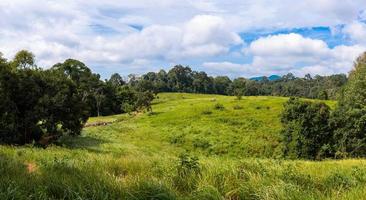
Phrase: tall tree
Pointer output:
(349, 118)
(24, 59)
(221, 84)
(116, 80)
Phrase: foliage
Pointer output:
(349, 118)
(219, 106)
(133, 158)
(144, 100)
(41, 105)
(37, 103)
(184, 79)
(23, 59)
(310, 130)
(306, 129)
(188, 172)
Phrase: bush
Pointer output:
(306, 132)
(201, 143)
(339, 180)
(177, 139)
(188, 173)
(237, 107)
(219, 106)
(207, 112)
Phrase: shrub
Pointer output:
(306, 132)
(207, 112)
(201, 143)
(239, 94)
(338, 180)
(237, 107)
(219, 106)
(177, 139)
(188, 173)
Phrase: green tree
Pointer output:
(221, 84)
(355, 90)
(24, 59)
(116, 80)
(37, 103)
(238, 86)
(2, 60)
(87, 83)
(349, 118)
(144, 100)
(180, 79)
(306, 132)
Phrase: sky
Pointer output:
(233, 37)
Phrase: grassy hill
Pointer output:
(209, 125)
(137, 157)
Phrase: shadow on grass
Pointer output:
(154, 113)
(81, 142)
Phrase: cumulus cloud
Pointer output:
(297, 54)
(287, 49)
(71, 33)
(231, 69)
(121, 34)
(202, 36)
(356, 31)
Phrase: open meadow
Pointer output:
(190, 147)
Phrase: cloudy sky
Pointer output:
(232, 37)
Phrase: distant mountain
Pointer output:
(271, 78)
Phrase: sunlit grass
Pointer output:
(136, 157)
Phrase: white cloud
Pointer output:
(230, 69)
(281, 54)
(202, 36)
(285, 51)
(356, 31)
(99, 32)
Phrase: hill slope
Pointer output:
(210, 125)
(136, 157)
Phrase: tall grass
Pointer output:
(55, 174)
(137, 157)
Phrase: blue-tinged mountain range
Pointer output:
(270, 78)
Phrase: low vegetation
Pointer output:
(313, 131)
(186, 146)
(139, 157)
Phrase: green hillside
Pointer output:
(137, 157)
(246, 128)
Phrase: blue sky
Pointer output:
(233, 37)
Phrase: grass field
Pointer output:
(138, 157)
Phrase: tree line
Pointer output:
(314, 131)
(184, 79)
(36, 104)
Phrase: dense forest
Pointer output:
(312, 130)
(184, 79)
